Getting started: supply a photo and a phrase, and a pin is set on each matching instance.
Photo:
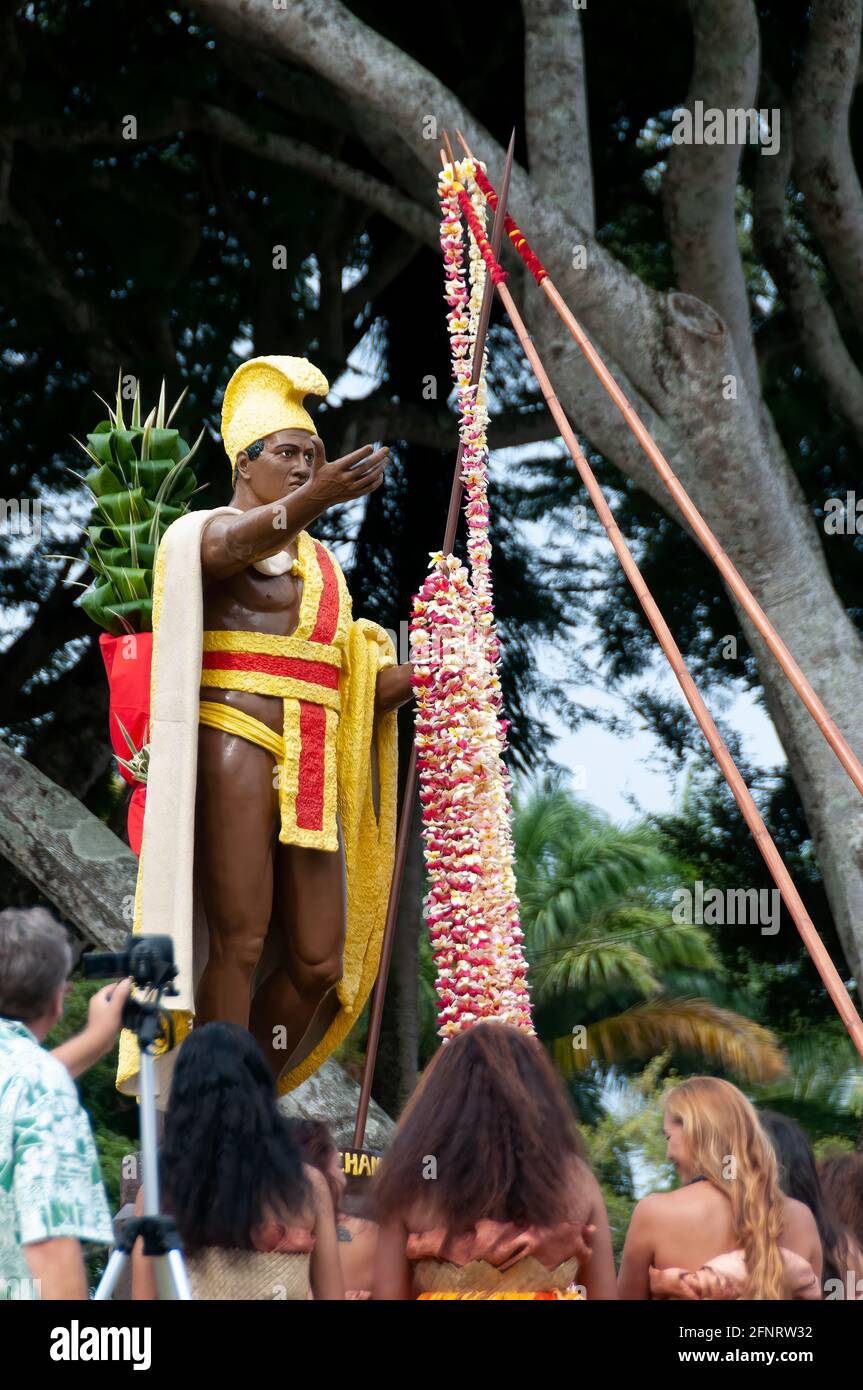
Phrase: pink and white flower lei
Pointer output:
(465, 792)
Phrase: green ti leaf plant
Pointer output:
(141, 481)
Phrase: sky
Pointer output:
(611, 772)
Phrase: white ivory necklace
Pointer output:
(275, 565)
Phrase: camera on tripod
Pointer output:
(149, 962)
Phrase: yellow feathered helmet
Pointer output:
(266, 394)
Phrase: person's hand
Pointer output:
(355, 475)
(105, 1013)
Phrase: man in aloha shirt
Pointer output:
(51, 1193)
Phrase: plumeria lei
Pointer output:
(465, 792)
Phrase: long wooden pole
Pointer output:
(815, 946)
(701, 530)
(773, 859)
(408, 806)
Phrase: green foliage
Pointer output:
(606, 954)
(141, 482)
(823, 1087)
(114, 1118)
(707, 833)
(629, 1134)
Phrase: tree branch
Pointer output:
(555, 101)
(284, 150)
(429, 426)
(700, 186)
(75, 860)
(823, 161)
(224, 125)
(808, 305)
(57, 621)
(372, 71)
(77, 316)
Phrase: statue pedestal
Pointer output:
(330, 1095)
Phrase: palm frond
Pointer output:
(693, 1026)
(592, 967)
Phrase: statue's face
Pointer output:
(283, 465)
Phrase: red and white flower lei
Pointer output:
(465, 791)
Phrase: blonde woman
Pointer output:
(728, 1232)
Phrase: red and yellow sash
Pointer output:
(304, 671)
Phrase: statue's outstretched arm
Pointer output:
(231, 543)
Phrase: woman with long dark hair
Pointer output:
(798, 1176)
(232, 1175)
(484, 1191)
(728, 1232)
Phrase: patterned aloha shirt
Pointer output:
(50, 1185)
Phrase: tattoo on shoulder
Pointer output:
(343, 1234)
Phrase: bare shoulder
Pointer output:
(798, 1222)
(681, 1203)
(649, 1211)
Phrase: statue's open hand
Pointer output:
(344, 479)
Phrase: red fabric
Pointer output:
(311, 773)
(135, 817)
(297, 667)
(327, 619)
(127, 665)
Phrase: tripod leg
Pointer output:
(108, 1282)
(171, 1278)
(179, 1277)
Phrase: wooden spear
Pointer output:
(735, 581)
(814, 945)
(409, 795)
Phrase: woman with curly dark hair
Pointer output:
(484, 1191)
(234, 1181)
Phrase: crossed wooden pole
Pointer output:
(496, 281)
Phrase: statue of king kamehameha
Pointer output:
(269, 827)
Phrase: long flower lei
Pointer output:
(465, 791)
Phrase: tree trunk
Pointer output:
(66, 852)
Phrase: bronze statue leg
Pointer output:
(235, 819)
(298, 998)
